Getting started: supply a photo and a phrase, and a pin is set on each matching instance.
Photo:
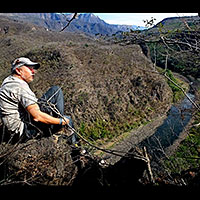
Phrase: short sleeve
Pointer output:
(27, 97)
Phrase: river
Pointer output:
(159, 134)
(177, 119)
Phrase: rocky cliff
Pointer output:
(108, 89)
(53, 162)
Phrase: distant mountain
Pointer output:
(87, 23)
(90, 18)
(175, 23)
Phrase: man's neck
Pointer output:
(18, 76)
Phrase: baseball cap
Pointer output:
(24, 61)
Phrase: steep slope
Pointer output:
(181, 36)
(17, 37)
(173, 23)
(108, 88)
(86, 23)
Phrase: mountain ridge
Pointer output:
(87, 23)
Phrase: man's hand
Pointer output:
(65, 121)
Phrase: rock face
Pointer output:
(49, 161)
(42, 161)
(107, 84)
(107, 88)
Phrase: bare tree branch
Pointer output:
(148, 165)
(69, 21)
(195, 105)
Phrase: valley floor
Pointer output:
(133, 138)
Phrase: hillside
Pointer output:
(181, 44)
(176, 39)
(86, 23)
(108, 89)
(174, 23)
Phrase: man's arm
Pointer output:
(40, 116)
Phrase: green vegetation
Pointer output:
(178, 39)
(181, 58)
(102, 130)
(177, 93)
(97, 130)
(187, 156)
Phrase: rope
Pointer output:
(113, 152)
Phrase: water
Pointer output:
(164, 136)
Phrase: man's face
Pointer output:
(27, 73)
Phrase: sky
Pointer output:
(137, 18)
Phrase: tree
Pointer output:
(177, 49)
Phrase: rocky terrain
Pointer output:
(108, 89)
(54, 163)
(86, 23)
(105, 83)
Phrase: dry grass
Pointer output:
(101, 82)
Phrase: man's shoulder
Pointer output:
(15, 85)
(10, 80)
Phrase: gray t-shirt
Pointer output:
(15, 96)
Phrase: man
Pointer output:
(22, 114)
